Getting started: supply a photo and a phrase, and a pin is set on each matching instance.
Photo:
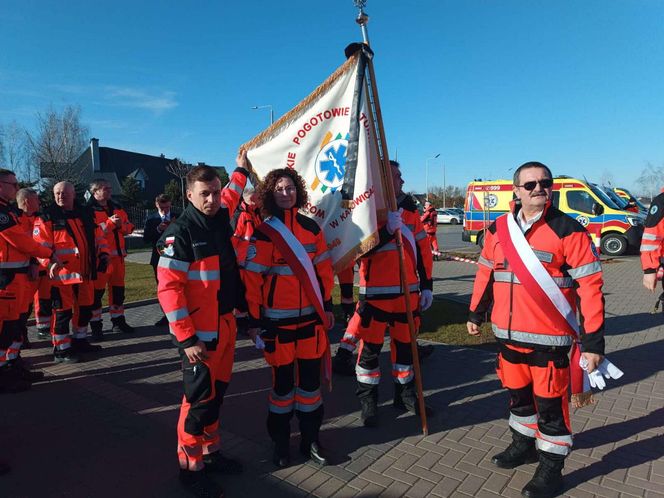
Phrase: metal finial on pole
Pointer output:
(362, 19)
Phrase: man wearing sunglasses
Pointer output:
(536, 263)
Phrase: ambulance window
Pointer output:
(555, 198)
(578, 200)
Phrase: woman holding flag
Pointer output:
(289, 278)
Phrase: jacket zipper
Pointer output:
(550, 376)
(270, 294)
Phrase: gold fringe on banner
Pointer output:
(302, 107)
(580, 400)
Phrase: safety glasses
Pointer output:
(530, 186)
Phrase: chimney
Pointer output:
(94, 150)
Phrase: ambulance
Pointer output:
(613, 230)
(625, 194)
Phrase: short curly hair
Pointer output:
(266, 190)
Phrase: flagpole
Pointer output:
(377, 119)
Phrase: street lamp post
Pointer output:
(426, 174)
(267, 106)
(444, 186)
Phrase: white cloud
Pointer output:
(157, 102)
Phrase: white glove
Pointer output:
(609, 370)
(596, 380)
(259, 343)
(604, 369)
(426, 299)
(394, 221)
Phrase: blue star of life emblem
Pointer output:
(331, 163)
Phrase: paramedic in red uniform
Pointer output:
(69, 229)
(533, 363)
(652, 243)
(198, 285)
(295, 339)
(382, 305)
(114, 222)
(16, 249)
(430, 221)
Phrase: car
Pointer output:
(448, 216)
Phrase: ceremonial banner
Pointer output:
(329, 140)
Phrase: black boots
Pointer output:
(121, 325)
(314, 452)
(369, 412)
(520, 451)
(96, 329)
(368, 395)
(343, 363)
(548, 478)
(65, 356)
(405, 398)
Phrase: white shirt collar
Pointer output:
(526, 224)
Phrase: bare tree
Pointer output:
(179, 169)
(651, 180)
(57, 142)
(13, 150)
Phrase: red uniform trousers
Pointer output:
(295, 389)
(43, 304)
(369, 323)
(10, 301)
(114, 277)
(27, 297)
(73, 303)
(433, 241)
(538, 385)
(204, 387)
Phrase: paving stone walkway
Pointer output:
(106, 427)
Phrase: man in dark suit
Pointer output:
(155, 225)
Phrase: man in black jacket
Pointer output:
(155, 225)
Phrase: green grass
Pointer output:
(139, 283)
(444, 322)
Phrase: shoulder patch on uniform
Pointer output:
(4, 219)
(35, 231)
(653, 209)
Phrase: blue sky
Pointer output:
(488, 84)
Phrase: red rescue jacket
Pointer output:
(652, 242)
(16, 244)
(430, 221)
(379, 268)
(197, 270)
(76, 239)
(566, 251)
(274, 294)
(114, 233)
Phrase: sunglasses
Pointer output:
(530, 186)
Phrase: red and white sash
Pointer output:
(533, 276)
(410, 248)
(297, 258)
